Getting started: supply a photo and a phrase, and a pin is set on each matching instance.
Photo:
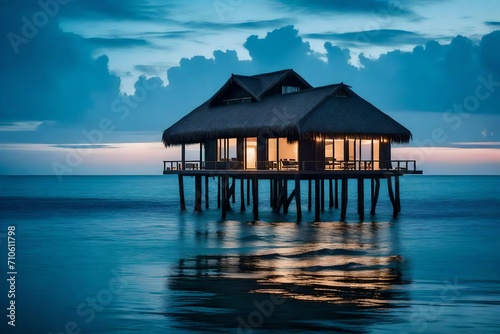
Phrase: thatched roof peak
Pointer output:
(251, 106)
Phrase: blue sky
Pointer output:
(88, 86)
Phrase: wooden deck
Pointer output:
(280, 197)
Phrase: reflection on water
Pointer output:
(333, 276)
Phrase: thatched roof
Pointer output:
(311, 112)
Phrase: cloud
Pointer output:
(148, 69)
(50, 75)
(386, 37)
(261, 24)
(83, 146)
(124, 10)
(374, 7)
(492, 23)
(99, 42)
(180, 34)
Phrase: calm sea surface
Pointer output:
(115, 255)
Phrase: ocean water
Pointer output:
(114, 254)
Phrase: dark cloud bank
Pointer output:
(53, 77)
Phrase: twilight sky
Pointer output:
(87, 86)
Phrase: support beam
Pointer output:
(224, 197)
(345, 188)
(229, 194)
(391, 197)
(275, 194)
(298, 203)
(309, 194)
(288, 201)
(198, 193)
(398, 198)
(233, 190)
(316, 199)
(242, 195)
(330, 193)
(375, 196)
(322, 195)
(181, 192)
(183, 157)
(284, 196)
(361, 198)
(218, 192)
(248, 191)
(206, 193)
(255, 198)
(336, 193)
(271, 193)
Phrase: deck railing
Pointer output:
(291, 165)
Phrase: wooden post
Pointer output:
(201, 155)
(361, 198)
(316, 199)
(242, 194)
(183, 157)
(297, 198)
(322, 195)
(206, 192)
(330, 193)
(398, 199)
(181, 192)
(198, 194)
(233, 193)
(224, 197)
(255, 197)
(309, 194)
(391, 197)
(375, 196)
(275, 194)
(271, 194)
(218, 192)
(345, 188)
(336, 194)
(284, 196)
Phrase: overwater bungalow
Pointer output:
(277, 126)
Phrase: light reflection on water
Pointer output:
(343, 275)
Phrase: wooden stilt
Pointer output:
(248, 191)
(255, 198)
(233, 193)
(375, 196)
(206, 193)
(275, 194)
(242, 195)
(224, 195)
(391, 197)
(330, 193)
(198, 193)
(218, 192)
(181, 192)
(316, 199)
(271, 193)
(361, 198)
(398, 198)
(345, 188)
(372, 189)
(336, 194)
(322, 195)
(298, 203)
(229, 193)
(309, 195)
(286, 202)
